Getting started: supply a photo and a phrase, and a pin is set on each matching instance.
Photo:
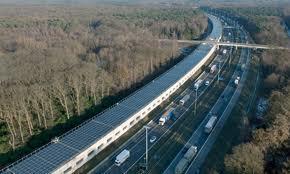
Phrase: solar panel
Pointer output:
(54, 155)
(85, 135)
(33, 165)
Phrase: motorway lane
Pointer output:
(199, 136)
(207, 144)
(136, 144)
(206, 147)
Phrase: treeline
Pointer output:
(58, 63)
(261, 23)
(267, 150)
(173, 23)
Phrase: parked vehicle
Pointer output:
(122, 157)
(152, 139)
(184, 162)
(213, 68)
(166, 116)
(184, 99)
(198, 84)
(210, 124)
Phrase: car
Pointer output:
(207, 83)
(152, 139)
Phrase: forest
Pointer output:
(60, 65)
(266, 149)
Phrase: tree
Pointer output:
(245, 158)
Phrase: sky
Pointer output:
(129, 1)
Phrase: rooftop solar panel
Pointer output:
(33, 165)
(85, 135)
(54, 155)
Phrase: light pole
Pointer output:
(219, 70)
(195, 101)
(146, 153)
(231, 52)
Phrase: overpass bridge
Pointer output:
(231, 44)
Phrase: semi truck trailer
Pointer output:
(184, 99)
(213, 68)
(122, 157)
(198, 84)
(210, 124)
(184, 162)
(166, 116)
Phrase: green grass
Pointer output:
(171, 144)
(236, 128)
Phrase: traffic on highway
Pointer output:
(203, 137)
(160, 125)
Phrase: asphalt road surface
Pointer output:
(136, 144)
(221, 109)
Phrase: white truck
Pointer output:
(184, 162)
(184, 99)
(210, 124)
(166, 116)
(213, 68)
(122, 157)
(198, 84)
(224, 51)
(237, 80)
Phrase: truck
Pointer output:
(190, 153)
(181, 166)
(237, 80)
(166, 116)
(184, 162)
(122, 157)
(184, 99)
(224, 51)
(198, 84)
(213, 68)
(210, 124)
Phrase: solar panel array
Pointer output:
(54, 155)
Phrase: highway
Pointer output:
(225, 102)
(222, 109)
(207, 143)
(136, 144)
(229, 44)
(199, 137)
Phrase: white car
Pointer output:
(152, 139)
(207, 83)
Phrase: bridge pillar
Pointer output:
(236, 47)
